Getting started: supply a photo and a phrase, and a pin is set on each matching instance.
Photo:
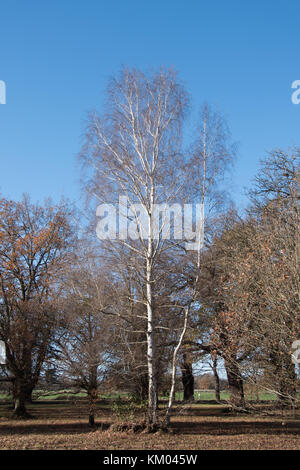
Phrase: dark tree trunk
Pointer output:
(20, 392)
(217, 379)
(19, 407)
(92, 394)
(235, 383)
(141, 388)
(28, 394)
(187, 379)
(26, 390)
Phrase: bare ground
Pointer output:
(64, 426)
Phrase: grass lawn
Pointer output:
(207, 395)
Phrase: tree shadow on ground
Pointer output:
(236, 427)
(27, 428)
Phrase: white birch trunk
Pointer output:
(174, 364)
(152, 392)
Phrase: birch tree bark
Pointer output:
(132, 153)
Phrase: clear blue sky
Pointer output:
(56, 57)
